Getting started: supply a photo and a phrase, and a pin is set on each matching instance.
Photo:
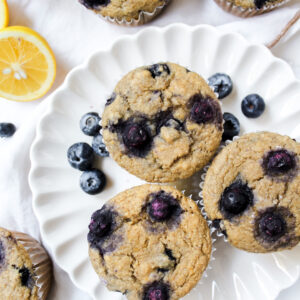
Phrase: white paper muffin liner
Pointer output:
(213, 230)
(41, 263)
(247, 12)
(144, 17)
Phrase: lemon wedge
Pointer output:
(27, 64)
(4, 15)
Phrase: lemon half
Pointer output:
(27, 64)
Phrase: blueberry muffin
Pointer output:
(128, 10)
(149, 242)
(25, 268)
(249, 8)
(162, 123)
(252, 190)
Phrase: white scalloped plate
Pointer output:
(64, 210)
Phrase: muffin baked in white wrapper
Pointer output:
(143, 17)
(205, 274)
(248, 12)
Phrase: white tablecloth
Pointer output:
(74, 33)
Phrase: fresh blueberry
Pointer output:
(235, 199)
(231, 126)
(98, 146)
(26, 278)
(278, 162)
(136, 138)
(7, 130)
(111, 99)
(93, 181)
(89, 124)
(159, 69)
(253, 106)
(102, 225)
(157, 291)
(81, 156)
(162, 207)
(204, 110)
(94, 4)
(2, 253)
(271, 226)
(221, 84)
(260, 3)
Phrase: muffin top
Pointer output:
(120, 9)
(149, 240)
(252, 190)
(162, 123)
(16, 270)
(255, 3)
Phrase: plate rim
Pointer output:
(84, 65)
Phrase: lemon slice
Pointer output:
(27, 64)
(4, 15)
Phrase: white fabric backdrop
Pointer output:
(74, 33)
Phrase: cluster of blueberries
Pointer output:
(252, 105)
(81, 155)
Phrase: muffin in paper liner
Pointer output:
(205, 274)
(41, 262)
(248, 12)
(143, 17)
(113, 285)
(288, 240)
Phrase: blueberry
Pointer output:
(204, 110)
(159, 69)
(260, 3)
(165, 118)
(93, 181)
(231, 126)
(157, 291)
(26, 278)
(2, 253)
(278, 162)
(136, 137)
(162, 207)
(7, 130)
(221, 84)
(271, 226)
(101, 226)
(98, 146)
(235, 199)
(253, 106)
(89, 124)
(111, 99)
(94, 4)
(80, 156)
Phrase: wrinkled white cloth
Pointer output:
(74, 33)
